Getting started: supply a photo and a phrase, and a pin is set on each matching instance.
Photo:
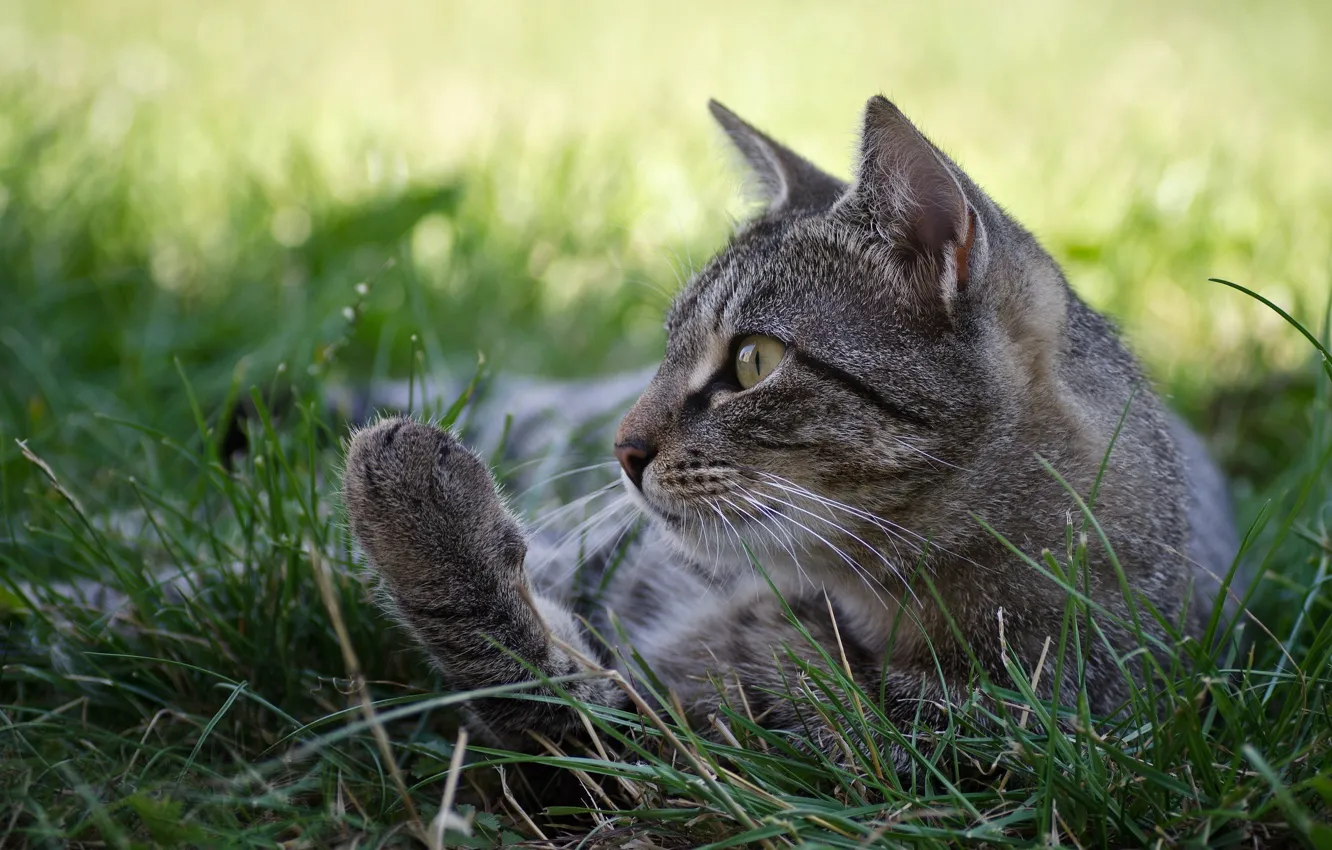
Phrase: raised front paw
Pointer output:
(424, 508)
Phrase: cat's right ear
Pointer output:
(906, 193)
(787, 181)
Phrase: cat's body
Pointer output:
(860, 384)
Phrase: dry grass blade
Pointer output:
(689, 755)
(446, 819)
(516, 807)
(32, 458)
(855, 697)
(592, 787)
(358, 682)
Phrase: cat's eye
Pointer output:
(756, 358)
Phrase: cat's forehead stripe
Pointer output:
(710, 356)
(700, 307)
(730, 299)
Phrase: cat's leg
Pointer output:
(450, 554)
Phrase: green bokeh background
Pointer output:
(1149, 145)
(210, 181)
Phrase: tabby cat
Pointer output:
(861, 392)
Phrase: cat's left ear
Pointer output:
(907, 194)
(787, 182)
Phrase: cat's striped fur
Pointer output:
(935, 360)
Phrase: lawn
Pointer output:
(246, 206)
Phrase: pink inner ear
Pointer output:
(907, 190)
(935, 210)
(962, 252)
(936, 215)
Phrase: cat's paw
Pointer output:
(425, 509)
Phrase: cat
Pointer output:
(864, 387)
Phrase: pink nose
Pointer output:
(634, 456)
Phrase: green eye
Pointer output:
(756, 358)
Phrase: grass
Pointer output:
(206, 253)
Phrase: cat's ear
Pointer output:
(907, 194)
(786, 180)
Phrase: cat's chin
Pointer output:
(720, 556)
(672, 516)
(732, 547)
(694, 536)
(742, 545)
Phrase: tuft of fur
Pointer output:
(936, 359)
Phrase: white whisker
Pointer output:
(615, 527)
(885, 525)
(860, 569)
(882, 525)
(740, 540)
(831, 546)
(589, 524)
(567, 473)
(902, 442)
(548, 518)
(757, 519)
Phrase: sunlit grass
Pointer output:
(1149, 147)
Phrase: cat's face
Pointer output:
(823, 375)
(798, 405)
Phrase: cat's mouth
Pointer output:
(737, 516)
(658, 508)
(723, 516)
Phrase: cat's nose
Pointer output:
(634, 456)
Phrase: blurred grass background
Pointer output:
(210, 181)
(1149, 146)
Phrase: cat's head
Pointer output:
(832, 374)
